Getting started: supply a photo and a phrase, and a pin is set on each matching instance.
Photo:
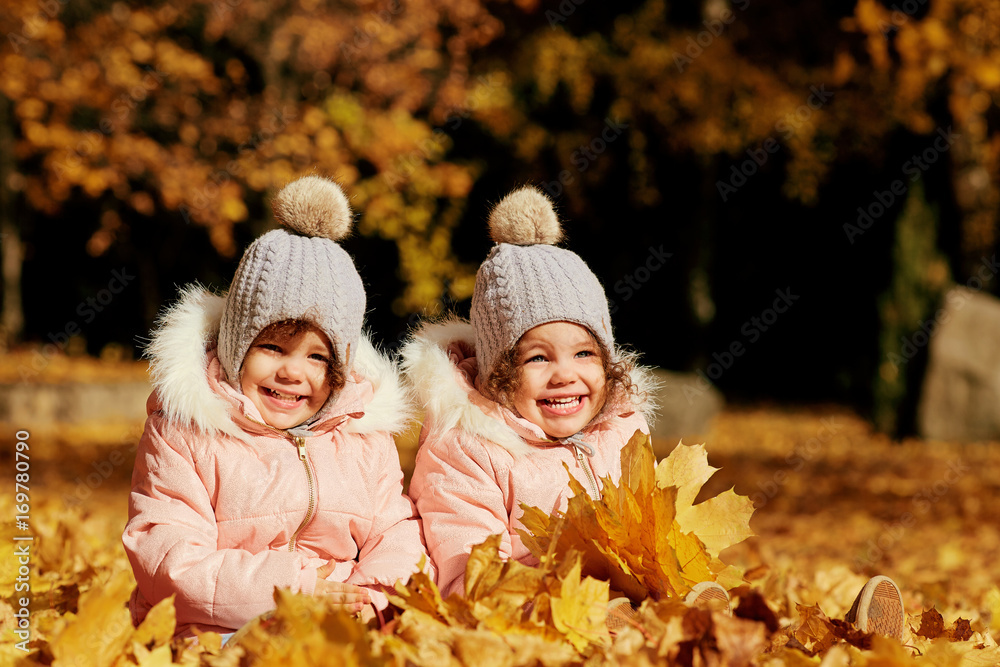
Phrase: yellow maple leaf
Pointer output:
(686, 468)
(161, 656)
(421, 595)
(692, 558)
(536, 532)
(814, 630)
(500, 590)
(719, 522)
(580, 607)
(101, 628)
(158, 627)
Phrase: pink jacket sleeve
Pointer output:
(394, 548)
(460, 504)
(171, 541)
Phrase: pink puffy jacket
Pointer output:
(224, 508)
(478, 461)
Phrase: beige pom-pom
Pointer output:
(525, 217)
(314, 206)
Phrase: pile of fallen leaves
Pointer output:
(652, 535)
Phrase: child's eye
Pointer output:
(585, 353)
(535, 358)
(319, 357)
(269, 346)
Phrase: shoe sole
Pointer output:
(708, 595)
(620, 614)
(878, 609)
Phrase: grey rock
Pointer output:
(687, 404)
(960, 399)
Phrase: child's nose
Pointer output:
(562, 373)
(292, 369)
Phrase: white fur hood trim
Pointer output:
(429, 370)
(178, 363)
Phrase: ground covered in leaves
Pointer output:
(834, 503)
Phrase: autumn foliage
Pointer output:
(196, 110)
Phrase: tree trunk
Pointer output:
(12, 317)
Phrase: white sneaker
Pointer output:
(708, 595)
(621, 613)
(878, 609)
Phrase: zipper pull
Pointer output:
(581, 446)
(300, 442)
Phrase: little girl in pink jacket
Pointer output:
(267, 458)
(532, 383)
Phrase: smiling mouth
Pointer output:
(565, 404)
(294, 398)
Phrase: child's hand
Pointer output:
(367, 614)
(350, 598)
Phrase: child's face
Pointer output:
(562, 378)
(285, 375)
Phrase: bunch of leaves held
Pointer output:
(645, 535)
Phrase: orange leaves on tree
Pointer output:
(645, 535)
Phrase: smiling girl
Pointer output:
(531, 385)
(267, 459)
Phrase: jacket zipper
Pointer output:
(586, 469)
(300, 442)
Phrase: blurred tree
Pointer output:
(920, 51)
(920, 277)
(12, 318)
(196, 109)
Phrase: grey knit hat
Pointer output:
(526, 280)
(299, 273)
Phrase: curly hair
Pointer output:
(505, 377)
(336, 375)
